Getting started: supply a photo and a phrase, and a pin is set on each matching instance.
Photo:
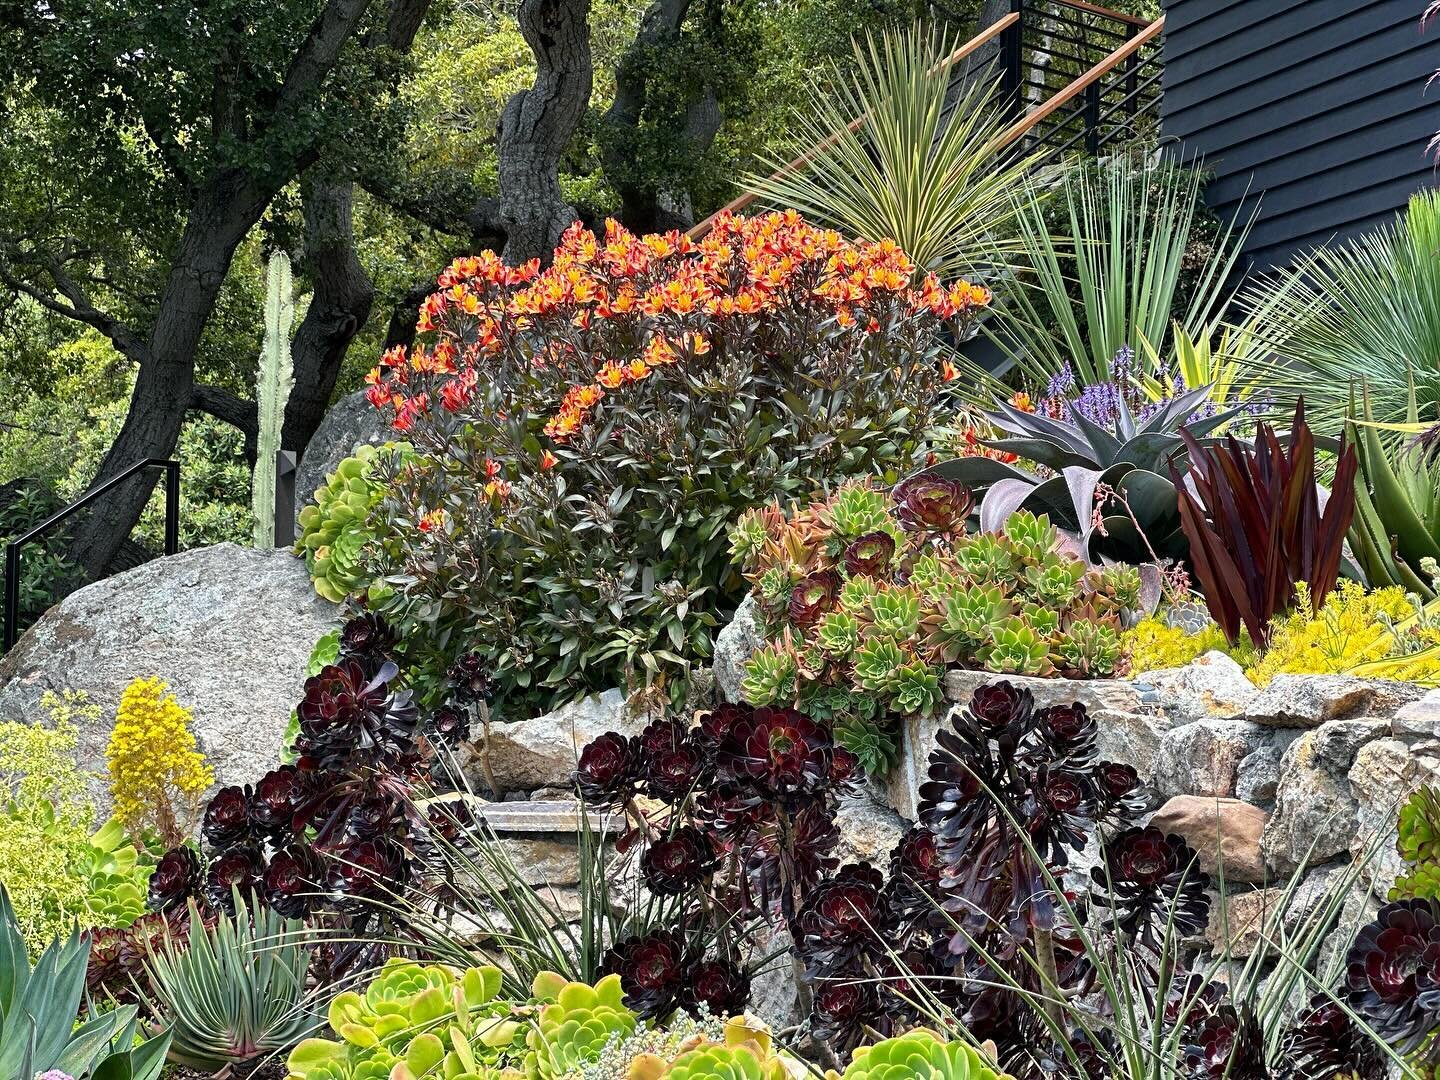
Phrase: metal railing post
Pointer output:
(1132, 74)
(1092, 118)
(10, 632)
(1012, 61)
(285, 467)
(172, 507)
(12, 595)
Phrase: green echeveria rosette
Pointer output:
(335, 527)
(920, 1055)
(575, 1024)
(718, 1063)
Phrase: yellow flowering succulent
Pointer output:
(157, 773)
(45, 820)
(1153, 645)
(1353, 627)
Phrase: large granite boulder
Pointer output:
(229, 628)
(351, 423)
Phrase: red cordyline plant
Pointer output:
(584, 433)
(1253, 519)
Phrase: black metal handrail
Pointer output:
(12, 549)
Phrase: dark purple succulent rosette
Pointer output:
(227, 818)
(842, 1009)
(470, 678)
(869, 555)
(176, 878)
(1323, 1043)
(813, 597)
(1392, 973)
(1002, 704)
(276, 799)
(652, 972)
(369, 639)
(679, 862)
(237, 869)
(607, 772)
(449, 726)
(1150, 880)
(777, 752)
(721, 987)
(933, 504)
(1227, 1042)
(294, 883)
(366, 870)
(844, 918)
(348, 716)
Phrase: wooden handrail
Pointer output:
(1010, 134)
(735, 205)
(1096, 9)
(1099, 71)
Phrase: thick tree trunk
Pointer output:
(223, 213)
(644, 206)
(339, 305)
(537, 124)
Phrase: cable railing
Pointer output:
(1075, 76)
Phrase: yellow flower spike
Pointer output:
(157, 773)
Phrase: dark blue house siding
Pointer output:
(1317, 108)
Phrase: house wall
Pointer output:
(1316, 107)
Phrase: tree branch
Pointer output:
(78, 307)
(230, 408)
(319, 52)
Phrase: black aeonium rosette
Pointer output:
(1392, 973)
(676, 863)
(369, 639)
(1325, 1044)
(347, 714)
(294, 881)
(176, 878)
(652, 971)
(237, 869)
(844, 918)
(722, 987)
(227, 818)
(1151, 882)
(608, 770)
(470, 679)
(277, 797)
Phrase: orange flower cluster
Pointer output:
(971, 434)
(612, 312)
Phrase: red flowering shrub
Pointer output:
(585, 433)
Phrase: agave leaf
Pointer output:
(1148, 449)
(1041, 451)
(1392, 502)
(977, 472)
(1002, 500)
(1029, 425)
(1105, 448)
(1151, 497)
(1176, 409)
(1080, 484)
(1201, 428)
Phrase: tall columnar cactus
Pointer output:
(272, 391)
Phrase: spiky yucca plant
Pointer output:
(884, 154)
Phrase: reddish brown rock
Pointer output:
(1222, 831)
